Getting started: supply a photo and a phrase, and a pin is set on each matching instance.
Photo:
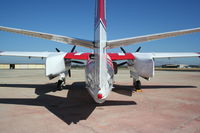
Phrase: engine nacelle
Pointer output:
(143, 65)
(55, 65)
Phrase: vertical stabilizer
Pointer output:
(100, 38)
(100, 16)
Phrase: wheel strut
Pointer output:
(137, 86)
(60, 84)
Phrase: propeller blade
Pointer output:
(57, 50)
(123, 50)
(73, 49)
(78, 62)
(121, 64)
(69, 72)
(138, 49)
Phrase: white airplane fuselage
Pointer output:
(99, 68)
(99, 83)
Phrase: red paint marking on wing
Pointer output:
(199, 54)
(126, 56)
(113, 56)
(78, 56)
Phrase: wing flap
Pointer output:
(140, 39)
(52, 37)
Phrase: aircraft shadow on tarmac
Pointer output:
(78, 105)
(128, 90)
(167, 86)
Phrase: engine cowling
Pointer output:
(55, 65)
(143, 65)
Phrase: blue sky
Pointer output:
(75, 18)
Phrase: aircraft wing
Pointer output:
(85, 56)
(27, 54)
(140, 39)
(52, 37)
(174, 55)
(166, 55)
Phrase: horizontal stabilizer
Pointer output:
(52, 37)
(140, 39)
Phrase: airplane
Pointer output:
(100, 65)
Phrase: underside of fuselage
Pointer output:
(99, 83)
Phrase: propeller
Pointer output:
(123, 50)
(121, 64)
(69, 60)
(69, 72)
(57, 50)
(138, 50)
(78, 62)
(73, 49)
(74, 61)
(127, 62)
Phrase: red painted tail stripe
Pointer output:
(101, 17)
(102, 11)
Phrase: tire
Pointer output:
(59, 85)
(137, 85)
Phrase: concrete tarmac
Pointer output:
(29, 102)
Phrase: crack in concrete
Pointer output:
(92, 129)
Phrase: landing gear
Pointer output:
(61, 82)
(136, 81)
(60, 85)
(137, 85)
